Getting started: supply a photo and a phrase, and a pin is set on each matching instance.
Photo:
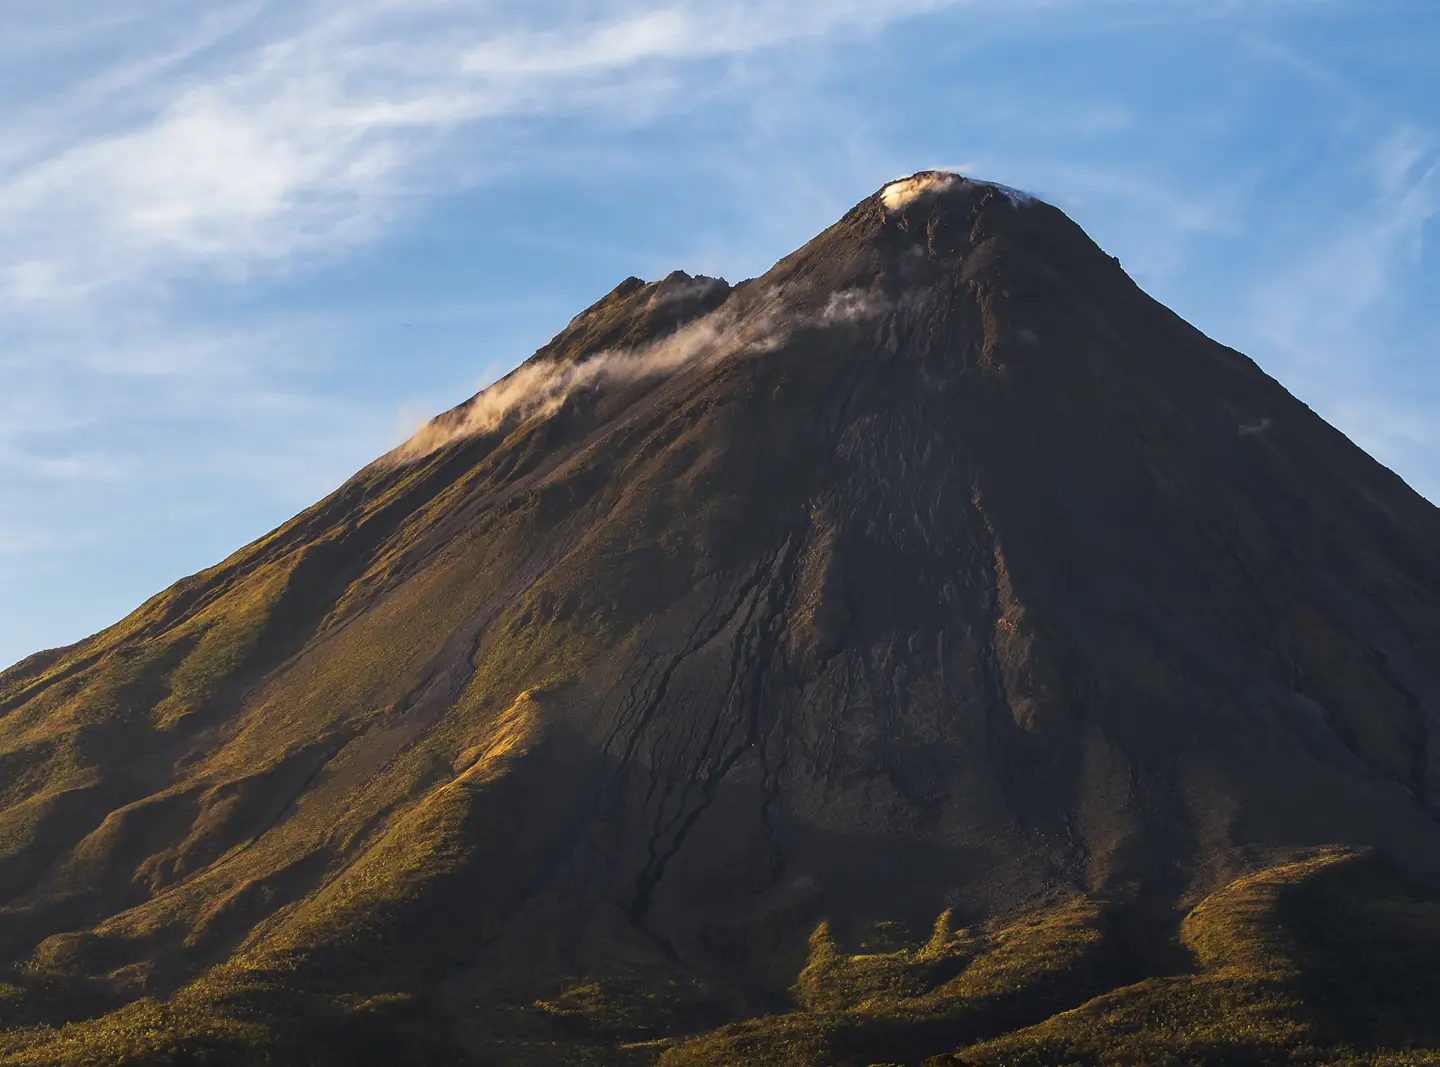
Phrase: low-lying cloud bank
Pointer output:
(538, 389)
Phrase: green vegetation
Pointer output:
(1330, 960)
(897, 1006)
(1333, 959)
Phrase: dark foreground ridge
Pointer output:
(931, 651)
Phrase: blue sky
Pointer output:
(245, 246)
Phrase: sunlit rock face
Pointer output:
(940, 571)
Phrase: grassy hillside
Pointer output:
(1330, 959)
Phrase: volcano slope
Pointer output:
(890, 651)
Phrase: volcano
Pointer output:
(869, 662)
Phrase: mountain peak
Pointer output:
(902, 192)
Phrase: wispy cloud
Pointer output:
(1340, 305)
(72, 467)
(538, 389)
(302, 139)
(254, 133)
(1318, 304)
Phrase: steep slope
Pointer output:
(939, 568)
